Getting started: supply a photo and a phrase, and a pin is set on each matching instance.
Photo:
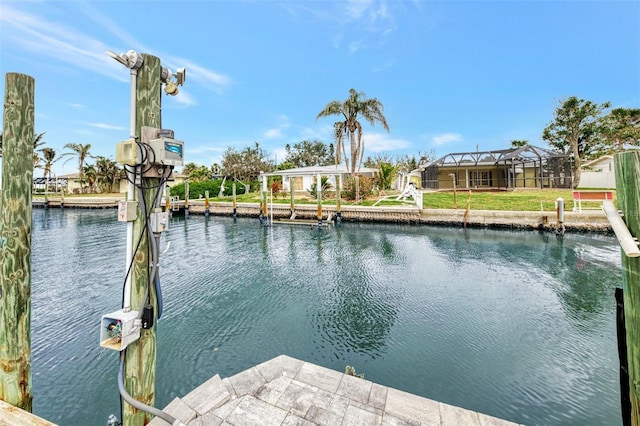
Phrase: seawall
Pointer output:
(586, 221)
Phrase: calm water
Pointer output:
(518, 325)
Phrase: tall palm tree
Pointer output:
(356, 106)
(82, 152)
(108, 173)
(89, 176)
(49, 156)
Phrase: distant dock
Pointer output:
(287, 391)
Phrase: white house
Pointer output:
(301, 178)
(598, 173)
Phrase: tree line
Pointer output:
(581, 129)
(102, 175)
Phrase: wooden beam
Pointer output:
(15, 241)
(14, 416)
(627, 170)
(140, 361)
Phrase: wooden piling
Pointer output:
(235, 207)
(319, 197)
(338, 199)
(140, 361)
(186, 197)
(627, 170)
(15, 241)
(292, 203)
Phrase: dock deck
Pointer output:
(288, 391)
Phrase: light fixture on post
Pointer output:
(171, 87)
(130, 59)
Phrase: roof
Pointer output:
(339, 169)
(598, 160)
(524, 154)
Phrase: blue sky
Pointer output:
(452, 76)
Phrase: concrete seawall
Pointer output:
(587, 221)
(593, 220)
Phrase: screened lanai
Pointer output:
(524, 167)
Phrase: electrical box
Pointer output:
(118, 329)
(166, 151)
(127, 211)
(159, 221)
(127, 152)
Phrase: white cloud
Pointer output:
(380, 142)
(446, 138)
(105, 126)
(272, 134)
(279, 154)
(50, 39)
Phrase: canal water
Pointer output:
(516, 324)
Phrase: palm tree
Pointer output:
(355, 106)
(108, 173)
(82, 152)
(49, 156)
(90, 176)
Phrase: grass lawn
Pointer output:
(520, 200)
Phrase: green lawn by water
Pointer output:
(519, 200)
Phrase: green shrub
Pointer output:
(364, 187)
(326, 186)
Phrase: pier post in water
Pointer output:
(319, 197)
(235, 211)
(186, 198)
(140, 360)
(15, 241)
(338, 199)
(627, 170)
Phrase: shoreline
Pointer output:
(586, 221)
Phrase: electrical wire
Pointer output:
(137, 404)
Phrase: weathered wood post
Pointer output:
(206, 203)
(186, 197)
(338, 199)
(140, 361)
(319, 197)
(627, 170)
(235, 211)
(292, 203)
(15, 241)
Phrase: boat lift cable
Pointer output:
(140, 405)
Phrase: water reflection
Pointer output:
(515, 324)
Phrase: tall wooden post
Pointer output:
(627, 169)
(186, 197)
(15, 241)
(140, 361)
(319, 198)
(338, 198)
(233, 186)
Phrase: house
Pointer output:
(598, 173)
(523, 167)
(301, 178)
